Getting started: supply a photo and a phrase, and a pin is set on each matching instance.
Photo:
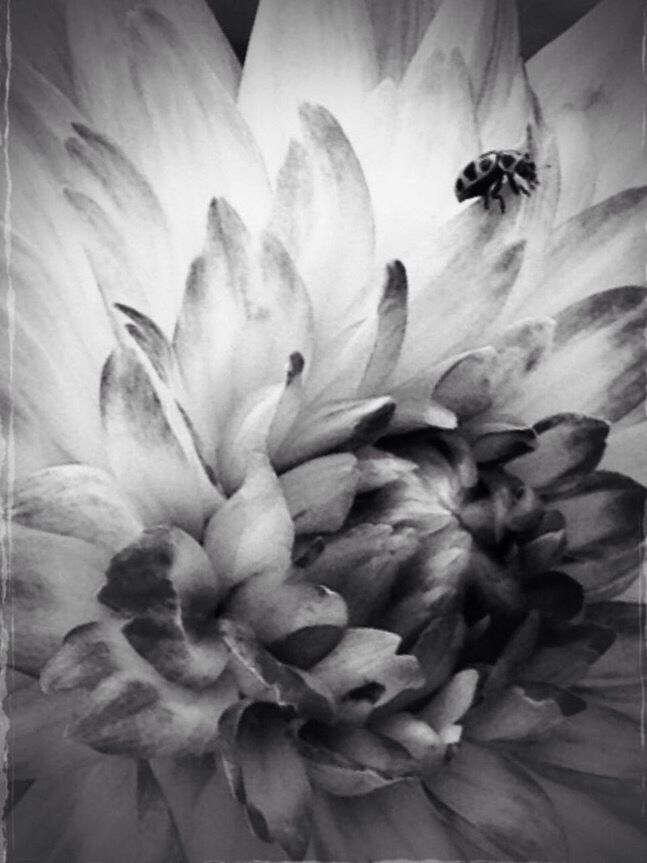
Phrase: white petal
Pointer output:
(594, 68)
(320, 492)
(252, 533)
(151, 449)
(318, 51)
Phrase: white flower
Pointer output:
(311, 553)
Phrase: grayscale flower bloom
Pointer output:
(326, 525)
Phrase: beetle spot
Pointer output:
(485, 164)
(459, 185)
(507, 160)
(470, 172)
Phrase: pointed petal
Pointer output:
(276, 788)
(210, 821)
(595, 742)
(605, 332)
(295, 55)
(605, 85)
(252, 532)
(569, 446)
(349, 761)
(399, 29)
(601, 246)
(486, 276)
(333, 426)
(392, 322)
(604, 516)
(150, 446)
(363, 672)
(452, 701)
(326, 224)
(320, 492)
(499, 805)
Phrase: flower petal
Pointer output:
(604, 519)
(593, 832)
(150, 445)
(252, 532)
(320, 492)
(399, 29)
(485, 275)
(108, 811)
(606, 42)
(498, 806)
(605, 332)
(625, 452)
(328, 231)
(335, 425)
(128, 707)
(77, 501)
(391, 823)
(141, 60)
(38, 745)
(564, 657)
(363, 564)
(301, 622)
(352, 761)
(600, 247)
(263, 677)
(210, 821)
(363, 672)
(595, 742)
(454, 699)
(53, 585)
(296, 55)
(392, 322)
(569, 446)
(521, 712)
(275, 789)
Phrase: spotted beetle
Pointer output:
(484, 177)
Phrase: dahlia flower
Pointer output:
(323, 489)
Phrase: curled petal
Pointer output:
(569, 446)
(129, 708)
(363, 672)
(320, 492)
(298, 620)
(352, 761)
(253, 532)
(521, 712)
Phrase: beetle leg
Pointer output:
(495, 192)
(517, 184)
(486, 201)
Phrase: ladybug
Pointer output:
(484, 177)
